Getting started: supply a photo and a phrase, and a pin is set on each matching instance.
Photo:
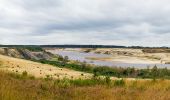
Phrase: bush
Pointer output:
(48, 77)
(119, 82)
(24, 73)
(64, 83)
(60, 58)
(88, 82)
(108, 80)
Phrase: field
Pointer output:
(24, 87)
(65, 80)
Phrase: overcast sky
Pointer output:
(111, 22)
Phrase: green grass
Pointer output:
(31, 48)
(152, 73)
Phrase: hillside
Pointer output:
(37, 69)
(26, 53)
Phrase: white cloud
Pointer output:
(121, 22)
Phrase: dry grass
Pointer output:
(37, 69)
(23, 87)
(17, 87)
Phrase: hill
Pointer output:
(26, 53)
(19, 66)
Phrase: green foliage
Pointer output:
(63, 83)
(113, 71)
(154, 72)
(80, 82)
(119, 82)
(60, 58)
(66, 59)
(108, 80)
(31, 48)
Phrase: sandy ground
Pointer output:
(127, 55)
(127, 59)
(37, 69)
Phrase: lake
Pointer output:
(81, 56)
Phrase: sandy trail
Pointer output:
(37, 69)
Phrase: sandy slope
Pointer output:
(42, 70)
(38, 69)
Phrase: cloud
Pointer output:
(113, 22)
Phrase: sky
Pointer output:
(104, 22)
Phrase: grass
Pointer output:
(24, 87)
(159, 73)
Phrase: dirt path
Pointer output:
(37, 69)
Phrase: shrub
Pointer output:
(108, 80)
(60, 58)
(119, 82)
(64, 83)
(87, 82)
(24, 73)
(82, 74)
(48, 77)
(32, 77)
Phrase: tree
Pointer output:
(108, 80)
(60, 58)
(65, 59)
(95, 73)
(154, 72)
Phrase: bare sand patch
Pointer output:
(126, 59)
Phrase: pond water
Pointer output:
(81, 56)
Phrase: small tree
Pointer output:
(108, 80)
(65, 59)
(95, 73)
(154, 72)
(60, 58)
(24, 73)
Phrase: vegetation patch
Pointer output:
(156, 50)
(152, 73)
(13, 85)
